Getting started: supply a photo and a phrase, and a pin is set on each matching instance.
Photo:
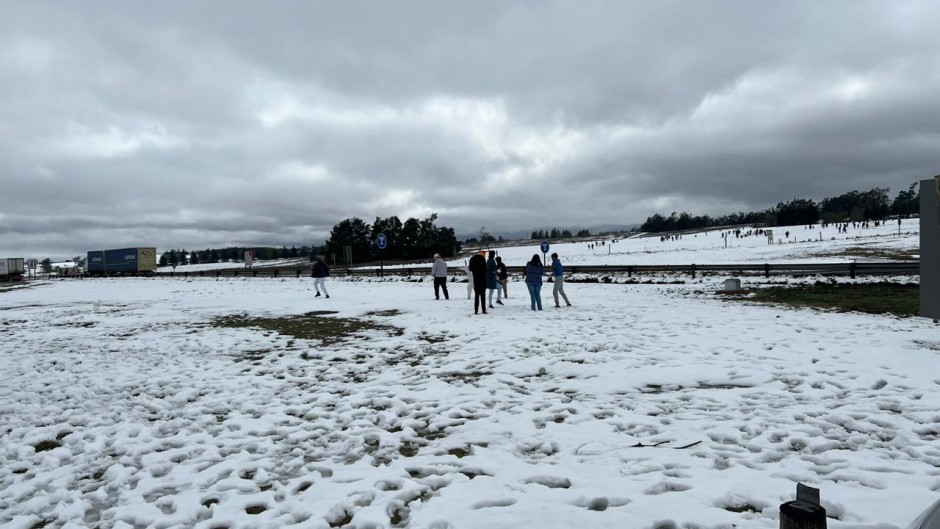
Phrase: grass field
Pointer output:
(874, 298)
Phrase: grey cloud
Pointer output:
(213, 123)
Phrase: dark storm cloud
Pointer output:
(213, 123)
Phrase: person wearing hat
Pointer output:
(477, 267)
(439, 273)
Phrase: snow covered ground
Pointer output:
(708, 247)
(650, 406)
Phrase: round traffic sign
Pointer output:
(381, 241)
(544, 246)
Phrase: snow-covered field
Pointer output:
(819, 245)
(649, 406)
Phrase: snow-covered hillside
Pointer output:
(823, 245)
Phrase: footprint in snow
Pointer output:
(502, 502)
(666, 486)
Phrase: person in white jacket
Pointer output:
(439, 272)
(466, 270)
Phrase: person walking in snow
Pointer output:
(320, 273)
(558, 280)
(492, 280)
(477, 267)
(533, 281)
(439, 273)
(503, 277)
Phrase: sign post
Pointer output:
(544, 246)
(381, 242)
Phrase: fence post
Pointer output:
(766, 270)
(298, 272)
(852, 269)
(693, 271)
(254, 273)
(275, 273)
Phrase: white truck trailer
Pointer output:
(12, 269)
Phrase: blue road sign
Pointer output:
(381, 241)
(544, 246)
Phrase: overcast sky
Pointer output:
(208, 124)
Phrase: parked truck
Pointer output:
(12, 269)
(123, 261)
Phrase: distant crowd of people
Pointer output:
(487, 274)
(485, 277)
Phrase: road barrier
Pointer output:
(850, 269)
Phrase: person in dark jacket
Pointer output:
(477, 267)
(533, 280)
(492, 281)
(320, 273)
(503, 277)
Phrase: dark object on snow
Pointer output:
(929, 519)
(930, 248)
(805, 512)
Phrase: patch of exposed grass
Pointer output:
(743, 508)
(384, 313)
(42, 446)
(432, 338)
(871, 298)
(319, 325)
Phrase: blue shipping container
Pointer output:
(123, 260)
(95, 261)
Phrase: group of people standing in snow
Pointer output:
(488, 273)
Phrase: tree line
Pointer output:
(412, 239)
(556, 233)
(237, 254)
(852, 206)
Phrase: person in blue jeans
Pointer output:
(533, 280)
(558, 280)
